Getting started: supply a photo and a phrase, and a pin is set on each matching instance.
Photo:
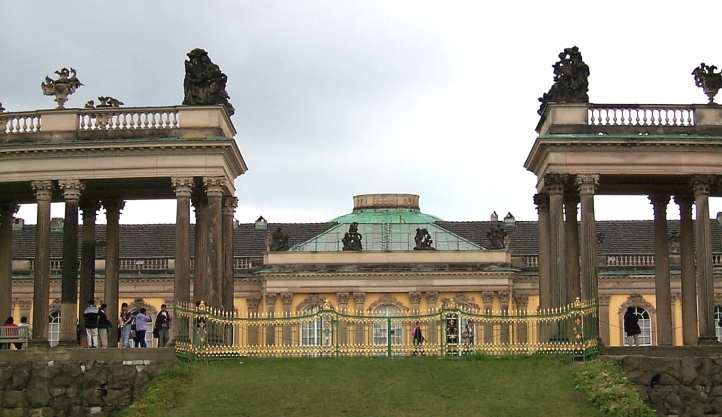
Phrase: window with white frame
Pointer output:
(645, 325)
(381, 329)
(315, 332)
(717, 317)
(54, 328)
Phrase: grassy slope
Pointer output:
(379, 387)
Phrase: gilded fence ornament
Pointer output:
(204, 82)
(570, 80)
(65, 85)
(708, 80)
(423, 240)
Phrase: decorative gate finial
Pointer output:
(204, 82)
(65, 85)
(708, 80)
(570, 80)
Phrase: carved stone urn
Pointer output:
(710, 81)
(62, 87)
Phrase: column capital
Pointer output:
(287, 299)
(71, 189)
(659, 201)
(541, 200)
(359, 299)
(504, 299)
(342, 299)
(432, 297)
(701, 184)
(43, 189)
(587, 183)
(487, 298)
(555, 183)
(214, 185)
(252, 302)
(113, 206)
(521, 301)
(229, 205)
(271, 302)
(182, 186)
(684, 200)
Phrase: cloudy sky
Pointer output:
(336, 98)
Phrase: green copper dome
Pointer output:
(386, 209)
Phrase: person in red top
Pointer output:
(8, 323)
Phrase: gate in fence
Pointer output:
(204, 332)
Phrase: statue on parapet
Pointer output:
(104, 103)
(570, 80)
(497, 237)
(65, 85)
(423, 240)
(204, 83)
(352, 238)
(2, 109)
(708, 80)
(279, 241)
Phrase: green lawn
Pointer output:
(371, 387)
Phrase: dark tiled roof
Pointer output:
(158, 240)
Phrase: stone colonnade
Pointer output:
(567, 257)
(213, 281)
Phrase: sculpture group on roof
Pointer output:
(204, 83)
(279, 241)
(104, 102)
(65, 85)
(352, 239)
(570, 80)
(708, 80)
(423, 240)
(497, 237)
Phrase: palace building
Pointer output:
(289, 267)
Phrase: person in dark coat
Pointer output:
(417, 337)
(631, 325)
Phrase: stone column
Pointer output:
(662, 289)
(41, 273)
(689, 284)
(432, 297)
(359, 300)
(487, 298)
(521, 303)
(604, 319)
(7, 211)
(252, 304)
(200, 254)
(505, 328)
(69, 290)
(545, 286)
(703, 244)
(571, 231)
(229, 208)
(587, 185)
(112, 262)
(182, 186)
(554, 184)
(89, 209)
(214, 190)
(287, 299)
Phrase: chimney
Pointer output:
(494, 217)
(509, 220)
(261, 223)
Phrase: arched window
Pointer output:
(54, 328)
(645, 325)
(717, 317)
(381, 329)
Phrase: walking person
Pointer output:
(417, 337)
(162, 324)
(125, 322)
(90, 314)
(631, 325)
(141, 325)
(103, 326)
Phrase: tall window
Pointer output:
(54, 328)
(315, 332)
(717, 317)
(645, 325)
(381, 329)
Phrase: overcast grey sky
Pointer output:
(336, 98)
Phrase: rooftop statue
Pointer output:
(279, 241)
(104, 103)
(204, 82)
(497, 237)
(708, 80)
(423, 240)
(570, 80)
(2, 109)
(65, 85)
(352, 238)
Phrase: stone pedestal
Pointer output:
(41, 270)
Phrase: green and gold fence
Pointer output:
(205, 332)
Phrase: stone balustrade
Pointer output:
(122, 122)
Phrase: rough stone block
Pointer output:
(42, 412)
(13, 412)
(38, 397)
(21, 377)
(14, 399)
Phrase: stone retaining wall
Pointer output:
(97, 386)
(688, 386)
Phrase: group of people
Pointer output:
(10, 322)
(132, 326)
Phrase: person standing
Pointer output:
(162, 324)
(417, 337)
(91, 324)
(631, 325)
(125, 321)
(141, 325)
(103, 326)
(24, 331)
